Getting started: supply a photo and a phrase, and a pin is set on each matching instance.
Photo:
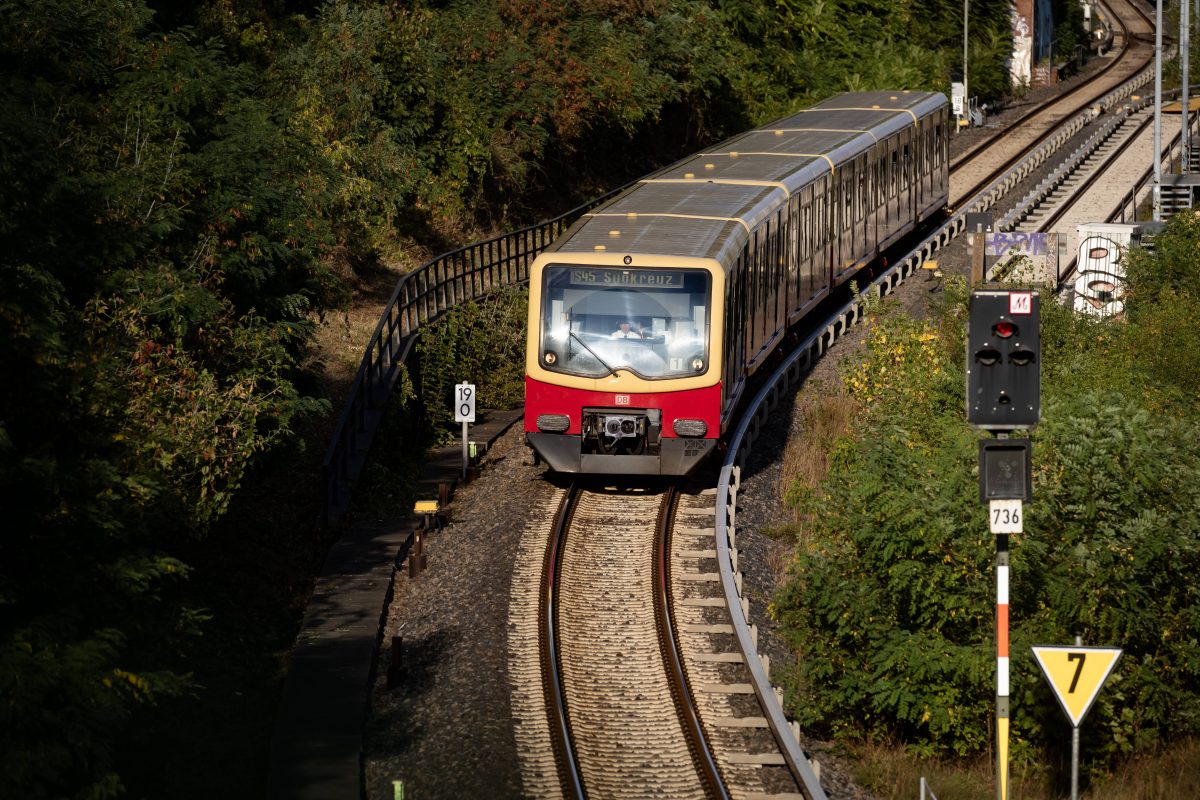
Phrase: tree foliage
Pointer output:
(478, 342)
(185, 190)
(161, 259)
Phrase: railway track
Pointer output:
(972, 172)
(644, 690)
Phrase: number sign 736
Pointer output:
(1004, 516)
(464, 402)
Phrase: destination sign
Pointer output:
(653, 278)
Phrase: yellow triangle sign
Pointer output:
(1076, 675)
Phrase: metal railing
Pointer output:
(420, 297)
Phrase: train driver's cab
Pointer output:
(598, 321)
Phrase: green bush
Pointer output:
(890, 604)
(479, 342)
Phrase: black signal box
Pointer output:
(1005, 470)
(1004, 360)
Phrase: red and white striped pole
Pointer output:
(1002, 666)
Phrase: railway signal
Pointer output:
(1003, 394)
(1004, 360)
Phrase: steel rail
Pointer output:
(1093, 178)
(689, 716)
(569, 774)
(1075, 92)
(1071, 165)
(789, 370)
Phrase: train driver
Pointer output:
(625, 331)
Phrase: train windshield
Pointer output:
(652, 322)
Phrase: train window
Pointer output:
(863, 191)
(653, 322)
(847, 198)
(894, 173)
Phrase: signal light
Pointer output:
(987, 356)
(1003, 354)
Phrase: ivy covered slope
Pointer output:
(187, 188)
(890, 601)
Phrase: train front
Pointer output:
(622, 373)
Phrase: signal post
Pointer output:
(1004, 394)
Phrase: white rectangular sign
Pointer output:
(1005, 516)
(1020, 303)
(464, 402)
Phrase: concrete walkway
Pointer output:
(316, 748)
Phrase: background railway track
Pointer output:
(999, 150)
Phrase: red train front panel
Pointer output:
(602, 432)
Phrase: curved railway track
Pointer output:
(622, 714)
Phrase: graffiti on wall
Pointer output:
(1100, 287)
(1027, 256)
(1027, 243)
(1021, 65)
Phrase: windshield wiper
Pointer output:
(574, 336)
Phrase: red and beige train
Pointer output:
(648, 316)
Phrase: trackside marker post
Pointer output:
(464, 412)
(1076, 675)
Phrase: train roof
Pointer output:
(706, 204)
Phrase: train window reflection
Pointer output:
(652, 322)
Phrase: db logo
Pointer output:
(622, 399)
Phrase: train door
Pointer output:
(941, 149)
(771, 247)
(872, 202)
(731, 349)
(745, 328)
(759, 281)
(920, 163)
(907, 187)
(779, 257)
(793, 255)
(842, 252)
(825, 212)
(862, 204)
(807, 246)
(893, 196)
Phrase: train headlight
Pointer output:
(553, 423)
(690, 427)
(550, 357)
(698, 364)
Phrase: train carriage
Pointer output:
(649, 315)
